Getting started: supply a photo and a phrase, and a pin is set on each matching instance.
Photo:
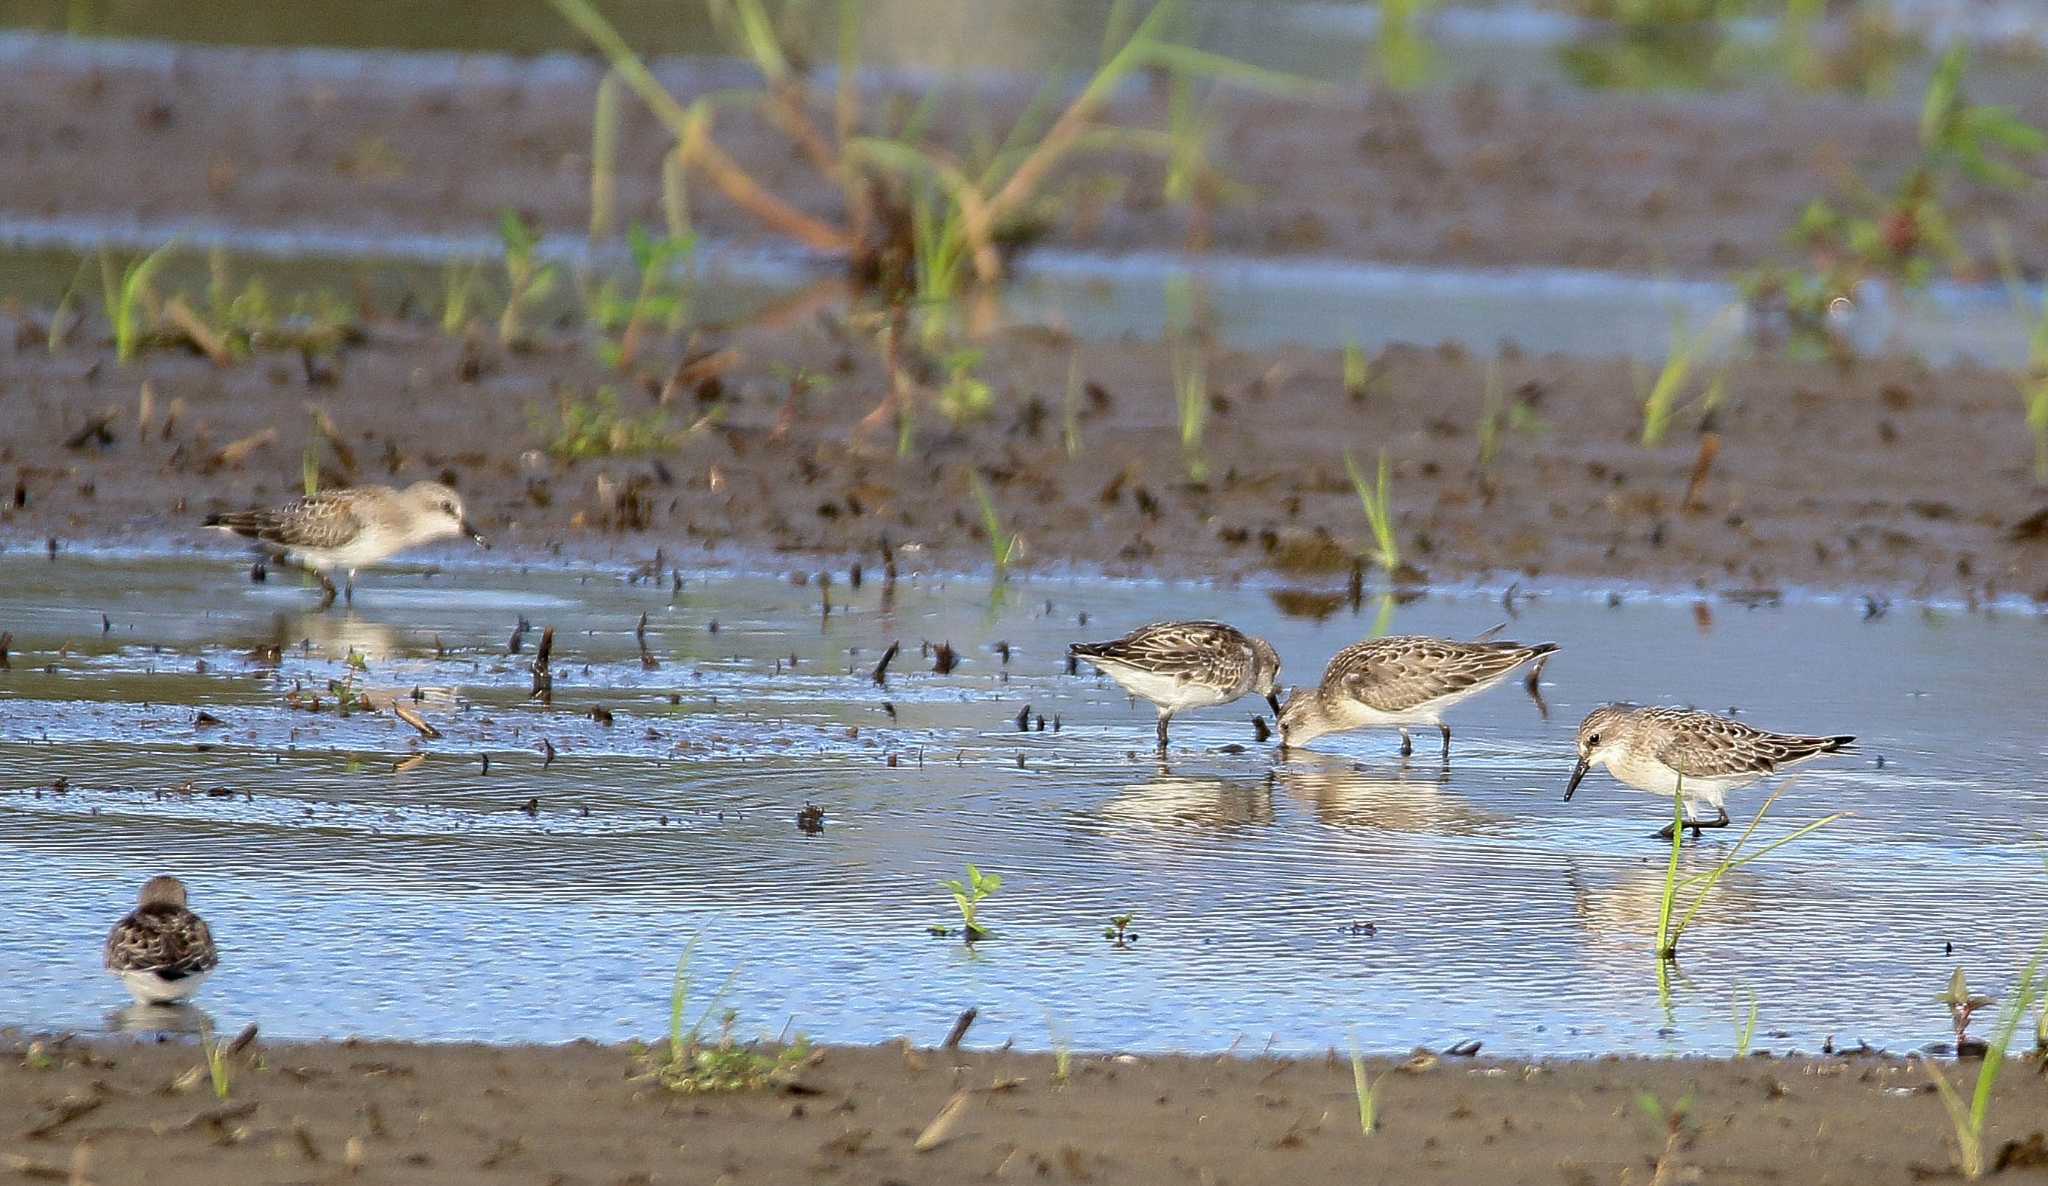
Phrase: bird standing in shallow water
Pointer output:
(1666, 751)
(161, 951)
(1400, 681)
(1182, 665)
(351, 528)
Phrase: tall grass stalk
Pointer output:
(1667, 943)
(604, 160)
(1402, 47)
(1493, 416)
(1669, 932)
(1367, 1090)
(2033, 381)
(125, 295)
(1969, 1119)
(1002, 545)
(1745, 1026)
(1357, 370)
(1374, 497)
(1191, 398)
(216, 1062)
(1070, 407)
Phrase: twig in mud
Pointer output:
(6, 640)
(67, 1110)
(543, 675)
(1710, 448)
(415, 720)
(944, 659)
(959, 1030)
(97, 432)
(235, 453)
(881, 675)
(940, 1130)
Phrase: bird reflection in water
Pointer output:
(1414, 799)
(160, 1019)
(1169, 799)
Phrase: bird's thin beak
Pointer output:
(1273, 699)
(1578, 772)
(469, 529)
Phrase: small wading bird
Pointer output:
(351, 528)
(1401, 681)
(1653, 749)
(161, 951)
(1182, 665)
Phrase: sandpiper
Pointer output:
(350, 528)
(161, 951)
(1668, 750)
(1182, 665)
(1401, 681)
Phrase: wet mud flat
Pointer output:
(577, 1113)
(1879, 477)
(1488, 174)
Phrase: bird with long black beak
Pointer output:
(1177, 666)
(1682, 751)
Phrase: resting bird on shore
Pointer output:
(1401, 681)
(161, 951)
(1182, 665)
(1653, 749)
(351, 528)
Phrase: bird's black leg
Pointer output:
(1446, 730)
(349, 590)
(1163, 718)
(1407, 744)
(327, 590)
(1720, 821)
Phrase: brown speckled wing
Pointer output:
(1210, 653)
(325, 520)
(1398, 673)
(1703, 745)
(168, 941)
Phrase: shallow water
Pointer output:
(352, 899)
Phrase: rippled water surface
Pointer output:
(1275, 903)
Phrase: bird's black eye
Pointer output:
(449, 507)
(1593, 739)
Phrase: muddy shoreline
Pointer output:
(1877, 478)
(1480, 175)
(450, 1113)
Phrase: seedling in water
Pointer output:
(1962, 1006)
(968, 895)
(1190, 374)
(1968, 1119)
(1119, 931)
(462, 283)
(1378, 511)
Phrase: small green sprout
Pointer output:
(1379, 515)
(968, 895)
(1367, 1090)
(527, 280)
(1119, 931)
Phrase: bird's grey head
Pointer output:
(163, 891)
(1266, 673)
(1304, 718)
(1604, 729)
(437, 509)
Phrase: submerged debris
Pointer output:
(811, 819)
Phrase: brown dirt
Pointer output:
(1880, 477)
(449, 1114)
(1481, 175)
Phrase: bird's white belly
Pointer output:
(369, 547)
(1168, 692)
(148, 988)
(1646, 773)
(1353, 714)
